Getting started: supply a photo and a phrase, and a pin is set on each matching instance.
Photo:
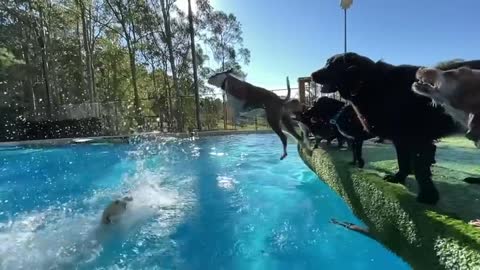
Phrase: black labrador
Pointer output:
(387, 107)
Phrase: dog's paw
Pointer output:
(361, 163)
(396, 179)
(430, 197)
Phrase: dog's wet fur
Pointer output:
(244, 96)
(387, 107)
(346, 123)
(115, 209)
(317, 119)
(458, 90)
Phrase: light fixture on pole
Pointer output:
(345, 4)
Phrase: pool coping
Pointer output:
(423, 237)
(126, 138)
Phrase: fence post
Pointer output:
(256, 125)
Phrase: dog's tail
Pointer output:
(289, 90)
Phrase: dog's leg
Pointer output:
(287, 123)
(358, 150)
(329, 141)
(423, 161)
(354, 154)
(403, 150)
(273, 120)
(340, 140)
(317, 142)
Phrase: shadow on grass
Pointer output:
(459, 199)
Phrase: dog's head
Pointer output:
(219, 78)
(441, 86)
(322, 110)
(294, 106)
(344, 73)
(429, 82)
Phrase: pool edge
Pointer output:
(125, 138)
(425, 239)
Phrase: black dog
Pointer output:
(317, 119)
(387, 107)
(344, 120)
(350, 126)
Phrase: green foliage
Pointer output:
(7, 59)
(79, 51)
(224, 38)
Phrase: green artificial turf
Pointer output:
(426, 237)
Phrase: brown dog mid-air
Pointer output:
(243, 97)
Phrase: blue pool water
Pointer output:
(214, 203)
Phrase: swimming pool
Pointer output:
(223, 202)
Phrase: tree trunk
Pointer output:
(194, 63)
(42, 42)
(87, 47)
(133, 70)
(81, 74)
(131, 55)
(225, 115)
(28, 90)
(169, 94)
(171, 58)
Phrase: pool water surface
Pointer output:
(223, 202)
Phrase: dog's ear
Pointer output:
(354, 76)
(464, 70)
(353, 69)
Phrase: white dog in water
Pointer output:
(115, 210)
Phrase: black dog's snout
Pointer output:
(316, 76)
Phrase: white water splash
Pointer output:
(70, 235)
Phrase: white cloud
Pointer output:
(183, 5)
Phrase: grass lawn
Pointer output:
(427, 237)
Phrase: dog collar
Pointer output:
(333, 121)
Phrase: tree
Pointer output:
(224, 38)
(125, 12)
(132, 57)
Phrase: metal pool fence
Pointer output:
(119, 117)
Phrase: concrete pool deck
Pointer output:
(426, 237)
(126, 138)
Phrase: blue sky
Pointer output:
(295, 37)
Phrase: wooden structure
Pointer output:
(303, 82)
(308, 91)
